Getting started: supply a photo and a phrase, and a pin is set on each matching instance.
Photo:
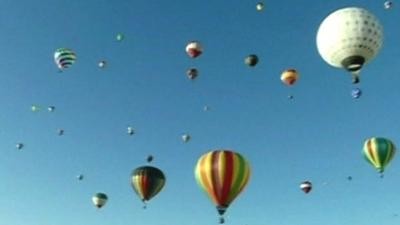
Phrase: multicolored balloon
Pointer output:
(289, 77)
(222, 174)
(64, 58)
(379, 152)
(306, 186)
(99, 200)
(147, 182)
(194, 49)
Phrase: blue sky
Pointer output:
(318, 136)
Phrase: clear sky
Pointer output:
(317, 136)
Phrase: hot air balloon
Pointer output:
(79, 177)
(194, 49)
(147, 182)
(349, 38)
(130, 131)
(19, 146)
(99, 200)
(186, 138)
(222, 174)
(206, 108)
(388, 4)
(120, 37)
(64, 58)
(60, 132)
(51, 108)
(306, 186)
(260, 6)
(379, 152)
(102, 64)
(192, 73)
(35, 108)
(356, 93)
(251, 60)
(289, 77)
(149, 158)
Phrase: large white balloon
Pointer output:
(349, 38)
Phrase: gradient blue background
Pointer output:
(318, 136)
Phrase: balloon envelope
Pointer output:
(289, 77)
(356, 93)
(349, 38)
(306, 186)
(99, 200)
(64, 58)
(223, 175)
(147, 182)
(379, 152)
(194, 49)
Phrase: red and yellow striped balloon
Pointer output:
(222, 174)
(147, 182)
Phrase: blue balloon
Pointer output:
(356, 92)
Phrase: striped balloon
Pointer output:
(64, 58)
(379, 152)
(222, 174)
(147, 182)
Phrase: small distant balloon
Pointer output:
(356, 93)
(120, 37)
(289, 77)
(19, 146)
(349, 178)
(192, 73)
(260, 6)
(194, 49)
(306, 186)
(51, 108)
(251, 60)
(149, 158)
(79, 177)
(388, 4)
(99, 200)
(130, 131)
(290, 96)
(206, 108)
(64, 58)
(60, 132)
(35, 108)
(102, 64)
(186, 138)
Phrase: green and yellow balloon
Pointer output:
(379, 152)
